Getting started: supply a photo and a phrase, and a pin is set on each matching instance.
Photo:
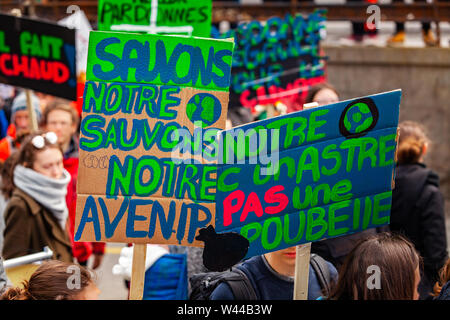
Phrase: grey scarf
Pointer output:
(49, 192)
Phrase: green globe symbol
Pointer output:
(358, 118)
(203, 109)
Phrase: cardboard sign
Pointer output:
(38, 55)
(277, 61)
(153, 106)
(309, 175)
(184, 17)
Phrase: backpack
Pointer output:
(323, 274)
(203, 284)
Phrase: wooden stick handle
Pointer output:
(301, 276)
(138, 272)
(33, 120)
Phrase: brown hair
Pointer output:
(397, 261)
(316, 88)
(52, 281)
(60, 104)
(411, 142)
(25, 156)
(444, 277)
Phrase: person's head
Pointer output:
(323, 94)
(56, 280)
(39, 152)
(20, 116)
(382, 267)
(61, 118)
(282, 261)
(412, 143)
(42, 153)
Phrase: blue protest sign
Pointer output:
(309, 175)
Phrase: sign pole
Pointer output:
(31, 112)
(33, 121)
(138, 271)
(302, 256)
(301, 276)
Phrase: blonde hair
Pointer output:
(411, 142)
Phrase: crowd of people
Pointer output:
(38, 182)
(38, 202)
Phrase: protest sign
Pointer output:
(186, 17)
(276, 61)
(309, 175)
(153, 106)
(38, 55)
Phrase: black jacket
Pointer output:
(418, 213)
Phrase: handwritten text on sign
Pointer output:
(186, 17)
(153, 106)
(276, 61)
(328, 172)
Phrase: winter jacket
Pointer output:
(81, 250)
(30, 227)
(418, 213)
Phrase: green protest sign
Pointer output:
(184, 17)
(153, 106)
(159, 60)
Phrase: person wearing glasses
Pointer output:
(36, 214)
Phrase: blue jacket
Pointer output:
(270, 285)
(445, 292)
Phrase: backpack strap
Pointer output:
(241, 286)
(320, 266)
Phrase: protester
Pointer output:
(36, 214)
(56, 280)
(418, 205)
(60, 117)
(19, 125)
(272, 277)
(381, 267)
(165, 272)
(322, 93)
(442, 288)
